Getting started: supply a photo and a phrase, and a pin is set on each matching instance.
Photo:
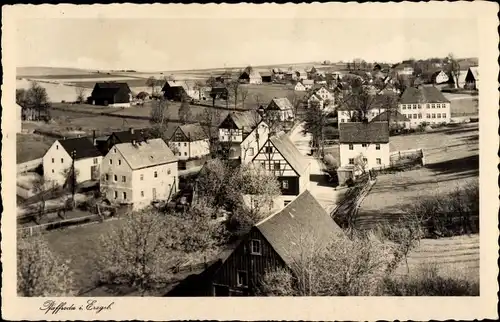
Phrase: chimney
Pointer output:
(93, 137)
(131, 130)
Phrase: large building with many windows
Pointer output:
(425, 104)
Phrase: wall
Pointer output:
(426, 112)
(84, 168)
(120, 170)
(251, 142)
(237, 135)
(189, 150)
(370, 152)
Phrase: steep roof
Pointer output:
(475, 72)
(282, 103)
(193, 132)
(109, 89)
(303, 218)
(394, 116)
(290, 153)
(360, 132)
(132, 134)
(146, 153)
(423, 94)
(83, 147)
(247, 119)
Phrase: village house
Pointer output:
(300, 75)
(105, 143)
(368, 142)
(235, 128)
(190, 141)
(111, 94)
(288, 75)
(252, 143)
(323, 97)
(308, 83)
(279, 156)
(472, 78)
(439, 77)
(177, 90)
(219, 92)
(267, 77)
(299, 87)
(58, 160)
(396, 120)
(404, 69)
(425, 104)
(250, 76)
(139, 172)
(280, 107)
(277, 242)
(224, 77)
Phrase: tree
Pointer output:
(70, 176)
(39, 271)
(80, 94)
(135, 252)
(37, 99)
(185, 114)
(210, 119)
(158, 114)
(262, 188)
(315, 122)
(360, 163)
(40, 187)
(454, 68)
(331, 166)
(21, 96)
(199, 86)
(243, 96)
(152, 82)
(233, 88)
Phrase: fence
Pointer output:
(29, 231)
(29, 165)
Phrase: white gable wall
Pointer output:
(251, 145)
(369, 151)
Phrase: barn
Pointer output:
(111, 94)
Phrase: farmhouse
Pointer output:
(425, 104)
(235, 128)
(177, 90)
(395, 119)
(282, 108)
(299, 87)
(323, 97)
(252, 143)
(219, 92)
(439, 77)
(250, 76)
(281, 157)
(224, 77)
(191, 141)
(139, 172)
(267, 77)
(128, 136)
(111, 94)
(367, 142)
(472, 78)
(58, 160)
(276, 242)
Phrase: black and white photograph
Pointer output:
(187, 152)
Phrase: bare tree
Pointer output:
(243, 96)
(152, 82)
(37, 99)
(210, 119)
(199, 86)
(159, 110)
(454, 68)
(70, 176)
(40, 188)
(185, 115)
(233, 87)
(80, 94)
(315, 122)
(39, 271)
(361, 163)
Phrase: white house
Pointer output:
(252, 143)
(366, 142)
(299, 87)
(282, 107)
(58, 160)
(251, 76)
(139, 172)
(282, 158)
(236, 127)
(345, 115)
(425, 104)
(440, 77)
(404, 69)
(190, 141)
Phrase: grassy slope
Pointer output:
(31, 146)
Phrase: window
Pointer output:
(185, 153)
(419, 115)
(351, 147)
(179, 154)
(409, 116)
(52, 160)
(438, 115)
(124, 196)
(351, 160)
(263, 164)
(403, 107)
(119, 162)
(142, 193)
(419, 106)
(428, 116)
(142, 177)
(415, 116)
(444, 115)
(116, 194)
(106, 177)
(377, 147)
(364, 145)
(284, 184)
(222, 138)
(433, 105)
(414, 106)
(115, 177)
(379, 161)
(438, 105)
(255, 247)
(95, 160)
(114, 150)
(57, 147)
(269, 149)
(276, 165)
(241, 278)
(52, 170)
(124, 179)
(365, 160)
(185, 144)
(433, 115)
(250, 151)
(62, 160)
(428, 105)
(110, 161)
(169, 171)
(343, 120)
(156, 174)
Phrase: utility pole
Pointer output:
(73, 177)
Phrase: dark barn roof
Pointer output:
(360, 132)
(83, 147)
(109, 89)
(128, 136)
(193, 132)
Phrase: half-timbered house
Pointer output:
(234, 129)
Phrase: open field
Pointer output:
(31, 146)
(462, 104)
(50, 71)
(57, 92)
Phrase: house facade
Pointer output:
(251, 76)
(191, 141)
(364, 142)
(177, 90)
(252, 143)
(396, 120)
(58, 160)
(111, 94)
(299, 87)
(308, 83)
(235, 128)
(404, 69)
(323, 97)
(280, 156)
(345, 116)
(282, 108)
(425, 104)
(139, 173)
(440, 77)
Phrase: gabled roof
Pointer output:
(247, 120)
(128, 136)
(193, 132)
(83, 147)
(290, 152)
(146, 153)
(268, 74)
(423, 94)
(303, 218)
(394, 116)
(475, 72)
(282, 103)
(360, 132)
(109, 89)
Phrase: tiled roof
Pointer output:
(193, 132)
(394, 116)
(146, 153)
(360, 132)
(290, 153)
(128, 136)
(282, 103)
(247, 120)
(423, 94)
(303, 218)
(83, 147)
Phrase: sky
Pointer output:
(196, 43)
